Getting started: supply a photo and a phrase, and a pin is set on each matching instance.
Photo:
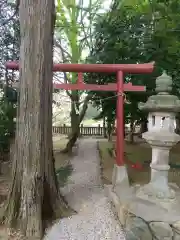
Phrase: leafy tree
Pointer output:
(137, 32)
(10, 36)
(74, 36)
(9, 50)
(8, 104)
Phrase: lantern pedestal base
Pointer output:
(152, 193)
(144, 219)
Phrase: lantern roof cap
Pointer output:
(163, 101)
(164, 83)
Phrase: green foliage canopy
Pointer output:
(137, 32)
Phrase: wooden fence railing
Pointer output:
(84, 130)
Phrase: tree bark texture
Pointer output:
(34, 194)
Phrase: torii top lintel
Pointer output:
(105, 68)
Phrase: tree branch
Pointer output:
(63, 51)
(85, 107)
(85, 33)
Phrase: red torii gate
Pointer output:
(118, 87)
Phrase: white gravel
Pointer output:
(84, 193)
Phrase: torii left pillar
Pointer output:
(120, 174)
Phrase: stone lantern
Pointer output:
(161, 135)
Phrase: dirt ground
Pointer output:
(63, 170)
(138, 152)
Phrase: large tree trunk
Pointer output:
(33, 195)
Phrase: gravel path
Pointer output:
(84, 193)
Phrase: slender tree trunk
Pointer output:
(104, 127)
(76, 120)
(178, 124)
(143, 127)
(133, 125)
(131, 134)
(33, 195)
(110, 128)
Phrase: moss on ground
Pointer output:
(63, 173)
(62, 161)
